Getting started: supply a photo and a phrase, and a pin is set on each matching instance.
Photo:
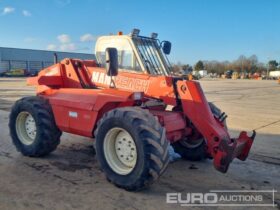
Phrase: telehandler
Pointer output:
(129, 102)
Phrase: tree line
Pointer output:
(249, 64)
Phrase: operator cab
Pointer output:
(136, 53)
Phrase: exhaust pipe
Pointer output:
(55, 58)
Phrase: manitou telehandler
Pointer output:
(133, 114)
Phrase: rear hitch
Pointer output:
(236, 148)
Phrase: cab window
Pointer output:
(126, 56)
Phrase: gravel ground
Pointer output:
(70, 177)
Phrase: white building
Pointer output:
(274, 74)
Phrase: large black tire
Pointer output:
(195, 150)
(150, 142)
(195, 153)
(47, 135)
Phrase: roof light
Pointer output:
(120, 33)
(135, 32)
(154, 35)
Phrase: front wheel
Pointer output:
(131, 147)
(32, 127)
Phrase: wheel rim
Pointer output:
(26, 128)
(120, 151)
(188, 143)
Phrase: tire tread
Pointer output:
(154, 140)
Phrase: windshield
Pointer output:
(151, 55)
(126, 57)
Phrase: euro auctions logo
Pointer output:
(192, 198)
(224, 198)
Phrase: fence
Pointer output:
(30, 66)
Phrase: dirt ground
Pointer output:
(70, 178)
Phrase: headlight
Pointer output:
(137, 96)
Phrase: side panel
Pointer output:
(172, 121)
(174, 124)
(73, 120)
(77, 110)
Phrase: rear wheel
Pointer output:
(131, 147)
(194, 147)
(32, 127)
(193, 150)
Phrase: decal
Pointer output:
(73, 114)
(123, 82)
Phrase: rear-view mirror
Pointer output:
(112, 63)
(166, 47)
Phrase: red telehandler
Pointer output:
(130, 103)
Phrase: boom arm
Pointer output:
(219, 144)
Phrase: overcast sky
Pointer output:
(198, 29)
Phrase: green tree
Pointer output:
(272, 64)
(185, 67)
(199, 65)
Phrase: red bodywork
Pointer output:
(79, 94)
